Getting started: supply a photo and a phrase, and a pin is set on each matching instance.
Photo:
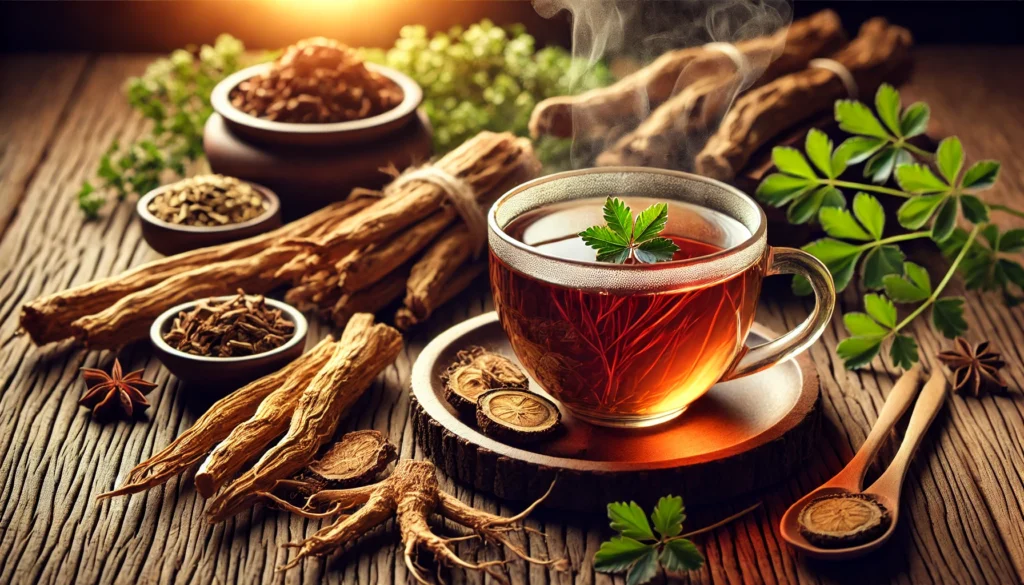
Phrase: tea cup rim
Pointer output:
(757, 238)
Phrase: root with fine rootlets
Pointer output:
(410, 494)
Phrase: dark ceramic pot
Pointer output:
(312, 165)
(168, 238)
(221, 375)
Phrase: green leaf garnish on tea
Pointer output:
(624, 239)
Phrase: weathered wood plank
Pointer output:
(964, 498)
(33, 103)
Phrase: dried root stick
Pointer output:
(464, 276)
(411, 494)
(48, 319)
(269, 422)
(371, 299)
(362, 269)
(129, 319)
(217, 422)
(325, 400)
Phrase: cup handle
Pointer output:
(792, 261)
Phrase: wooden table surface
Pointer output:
(964, 498)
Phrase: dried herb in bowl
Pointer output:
(241, 326)
(208, 200)
(318, 81)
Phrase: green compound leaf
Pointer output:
(915, 287)
(668, 516)
(839, 223)
(862, 325)
(903, 351)
(603, 239)
(619, 218)
(887, 102)
(915, 120)
(681, 555)
(856, 118)
(650, 222)
(950, 158)
(973, 209)
(981, 175)
(857, 352)
(870, 214)
(881, 262)
(792, 162)
(919, 179)
(880, 166)
(779, 189)
(819, 150)
(857, 149)
(629, 520)
(948, 316)
(619, 553)
(881, 309)
(656, 250)
(918, 275)
(945, 220)
(1012, 241)
(840, 258)
(916, 212)
(645, 568)
(806, 207)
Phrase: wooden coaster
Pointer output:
(742, 436)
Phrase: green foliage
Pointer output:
(486, 77)
(623, 238)
(883, 144)
(937, 195)
(173, 94)
(638, 551)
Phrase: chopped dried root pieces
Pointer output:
(412, 494)
(217, 422)
(516, 416)
(360, 356)
(841, 520)
(476, 371)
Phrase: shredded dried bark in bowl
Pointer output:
(317, 81)
(241, 326)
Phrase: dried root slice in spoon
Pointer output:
(843, 520)
(475, 371)
(516, 416)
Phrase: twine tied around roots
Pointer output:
(743, 68)
(840, 71)
(457, 190)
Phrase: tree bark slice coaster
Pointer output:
(741, 437)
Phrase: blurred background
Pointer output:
(160, 26)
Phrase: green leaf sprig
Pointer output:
(936, 196)
(624, 239)
(640, 553)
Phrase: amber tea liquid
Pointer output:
(609, 354)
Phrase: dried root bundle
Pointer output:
(411, 495)
(365, 350)
(662, 140)
(627, 101)
(881, 52)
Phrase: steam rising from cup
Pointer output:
(633, 33)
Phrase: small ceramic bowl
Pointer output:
(168, 238)
(225, 374)
(329, 134)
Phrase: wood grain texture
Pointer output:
(964, 499)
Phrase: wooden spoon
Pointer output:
(887, 488)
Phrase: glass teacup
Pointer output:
(633, 345)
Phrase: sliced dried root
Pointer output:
(475, 371)
(412, 494)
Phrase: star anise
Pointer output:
(974, 367)
(115, 395)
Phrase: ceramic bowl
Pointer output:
(168, 238)
(329, 134)
(224, 374)
(310, 166)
